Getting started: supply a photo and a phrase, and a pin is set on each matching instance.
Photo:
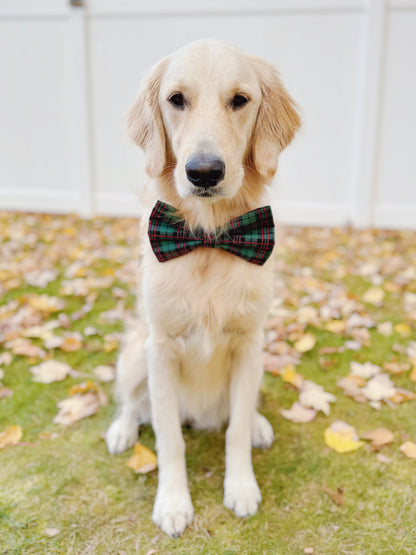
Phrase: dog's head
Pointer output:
(213, 114)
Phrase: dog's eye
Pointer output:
(177, 100)
(238, 101)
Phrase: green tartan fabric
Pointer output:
(250, 236)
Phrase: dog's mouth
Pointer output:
(207, 192)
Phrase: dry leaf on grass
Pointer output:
(379, 388)
(11, 436)
(314, 396)
(51, 532)
(374, 295)
(298, 413)
(379, 437)
(366, 370)
(45, 303)
(143, 460)
(305, 343)
(50, 371)
(342, 438)
(403, 329)
(104, 373)
(336, 496)
(5, 392)
(76, 407)
(289, 375)
(409, 449)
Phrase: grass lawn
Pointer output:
(61, 492)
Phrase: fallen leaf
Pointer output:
(305, 343)
(76, 407)
(379, 437)
(342, 437)
(292, 377)
(383, 459)
(11, 436)
(379, 388)
(315, 397)
(374, 295)
(45, 303)
(366, 370)
(104, 373)
(71, 343)
(352, 389)
(50, 371)
(336, 326)
(5, 392)
(143, 460)
(385, 328)
(396, 367)
(403, 329)
(51, 532)
(336, 496)
(298, 413)
(409, 449)
(83, 388)
(401, 396)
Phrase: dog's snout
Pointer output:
(205, 171)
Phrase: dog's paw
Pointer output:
(242, 496)
(120, 436)
(172, 512)
(262, 433)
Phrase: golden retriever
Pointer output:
(211, 121)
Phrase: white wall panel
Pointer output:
(395, 200)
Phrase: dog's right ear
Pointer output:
(145, 124)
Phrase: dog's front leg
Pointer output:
(173, 509)
(241, 492)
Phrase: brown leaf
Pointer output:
(336, 496)
(379, 437)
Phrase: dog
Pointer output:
(211, 121)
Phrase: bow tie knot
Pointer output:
(250, 236)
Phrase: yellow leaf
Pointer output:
(45, 303)
(374, 295)
(83, 388)
(305, 343)
(290, 375)
(143, 460)
(409, 449)
(403, 329)
(11, 436)
(342, 438)
(336, 326)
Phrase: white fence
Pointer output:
(68, 74)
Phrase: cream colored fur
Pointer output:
(195, 356)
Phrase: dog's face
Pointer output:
(214, 113)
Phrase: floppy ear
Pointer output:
(145, 123)
(277, 121)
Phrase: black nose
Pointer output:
(205, 171)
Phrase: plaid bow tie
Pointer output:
(250, 236)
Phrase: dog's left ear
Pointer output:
(277, 121)
(145, 124)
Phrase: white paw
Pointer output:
(242, 496)
(172, 512)
(121, 435)
(262, 433)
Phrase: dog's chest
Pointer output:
(207, 291)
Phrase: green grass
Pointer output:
(100, 506)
